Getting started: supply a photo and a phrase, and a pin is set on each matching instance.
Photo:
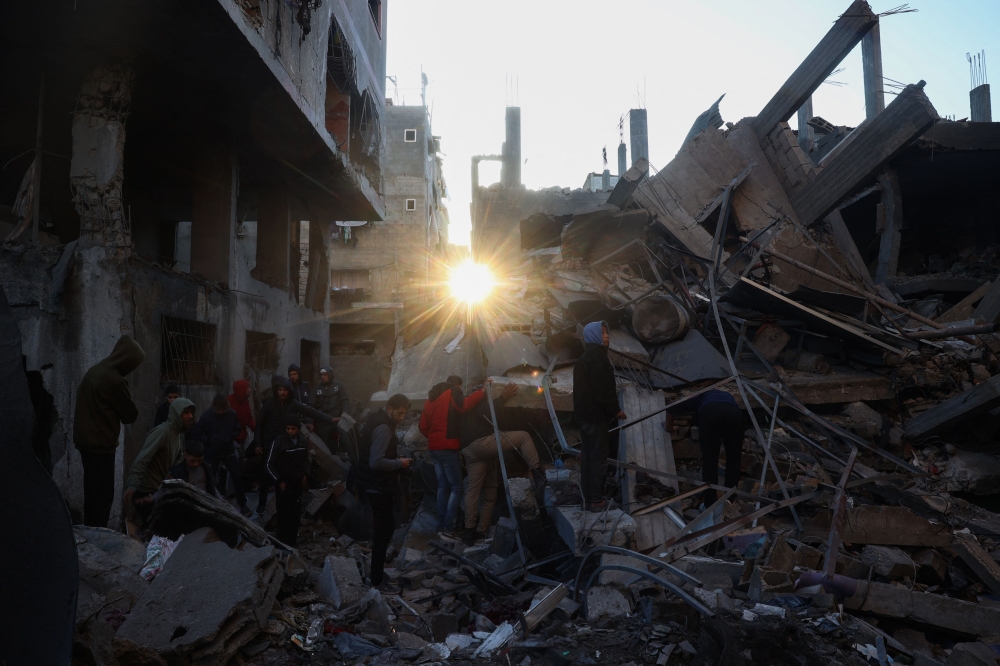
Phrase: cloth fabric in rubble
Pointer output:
(301, 390)
(239, 400)
(161, 451)
(595, 403)
(103, 403)
(157, 552)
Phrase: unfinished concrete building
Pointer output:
(386, 271)
(176, 170)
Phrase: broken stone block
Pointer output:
(862, 419)
(933, 609)
(522, 496)
(808, 557)
(851, 567)
(340, 581)
(712, 572)
(913, 640)
(933, 568)
(972, 654)
(889, 562)
(781, 556)
(582, 530)
(605, 601)
(207, 602)
(612, 576)
(765, 584)
(976, 473)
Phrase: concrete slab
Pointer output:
(606, 602)
(889, 562)
(340, 581)
(613, 528)
(208, 601)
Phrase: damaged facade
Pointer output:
(195, 157)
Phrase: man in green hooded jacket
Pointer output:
(162, 450)
(103, 404)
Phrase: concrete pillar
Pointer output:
(510, 174)
(889, 224)
(871, 63)
(979, 99)
(638, 134)
(622, 159)
(807, 135)
(274, 240)
(606, 181)
(213, 217)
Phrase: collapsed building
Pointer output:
(789, 270)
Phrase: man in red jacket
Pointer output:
(239, 400)
(440, 423)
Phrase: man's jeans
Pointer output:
(448, 468)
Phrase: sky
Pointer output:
(575, 67)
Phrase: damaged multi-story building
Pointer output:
(177, 170)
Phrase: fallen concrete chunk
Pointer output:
(765, 584)
(208, 601)
(976, 473)
(961, 407)
(340, 581)
(979, 561)
(933, 609)
(582, 530)
(862, 419)
(889, 562)
(604, 601)
(933, 567)
(972, 654)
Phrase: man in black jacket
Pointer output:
(288, 467)
(300, 388)
(269, 427)
(330, 397)
(378, 474)
(217, 430)
(172, 392)
(595, 403)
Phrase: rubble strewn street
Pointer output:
(792, 457)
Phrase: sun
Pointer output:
(471, 282)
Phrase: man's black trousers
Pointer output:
(720, 424)
(98, 487)
(383, 524)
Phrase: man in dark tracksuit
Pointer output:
(378, 473)
(288, 467)
(269, 427)
(595, 403)
(330, 397)
(217, 430)
(720, 423)
(300, 388)
(103, 404)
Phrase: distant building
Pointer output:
(384, 272)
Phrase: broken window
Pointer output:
(187, 354)
(309, 351)
(411, 204)
(263, 351)
(375, 8)
(410, 135)
(350, 279)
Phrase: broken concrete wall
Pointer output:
(790, 163)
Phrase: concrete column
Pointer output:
(889, 224)
(638, 134)
(622, 159)
(213, 218)
(807, 135)
(979, 100)
(273, 237)
(511, 172)
(606, 181)
(871, 63)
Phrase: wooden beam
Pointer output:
(910, 115)
(871, 64)
(989, 308)
(845, 34)
(963, 309)
(891, 214)
(956, 409)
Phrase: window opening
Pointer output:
(410, 135)
(263, 351)
(411, 204)
(375, 8)
(187, 353)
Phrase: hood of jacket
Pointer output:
(278, 380)
(241, 389)
(592, 333)
(294, 367)
(328, 371)
(126, 356)
(177, 408)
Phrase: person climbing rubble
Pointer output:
(377, 474)
(482, 461)
(269, 427)
(595, 403)
(331, 398)
(441, 423)
(161, 451)
(103, 404)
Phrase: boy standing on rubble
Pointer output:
(378, 473)
(595, 403)
(288, 467)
